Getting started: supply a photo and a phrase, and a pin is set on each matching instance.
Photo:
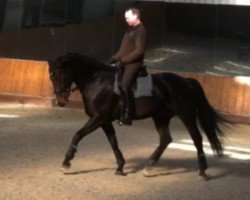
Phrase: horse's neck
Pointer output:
(84, 79)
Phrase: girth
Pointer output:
(143, 72)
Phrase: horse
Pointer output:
(172, 95)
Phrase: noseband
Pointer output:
(63, 91)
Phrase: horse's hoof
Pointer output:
(204, 176)
(120, 173)
(146, 172)
(65, 167)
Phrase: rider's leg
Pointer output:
(121, 103)
(129, 76)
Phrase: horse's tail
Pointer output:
(210, 120)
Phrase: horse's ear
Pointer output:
(50, 62)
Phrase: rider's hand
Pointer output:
(119, 64)
(113, 63)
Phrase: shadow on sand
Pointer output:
(168, 167)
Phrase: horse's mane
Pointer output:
(89, 62)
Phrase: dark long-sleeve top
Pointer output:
(132, 48)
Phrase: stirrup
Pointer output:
(127, 121)
(120, 123)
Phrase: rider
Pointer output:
(130, 58)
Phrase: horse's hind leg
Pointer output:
(190, 123)
(110, 133)
(162, 127)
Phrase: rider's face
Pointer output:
(130, 18)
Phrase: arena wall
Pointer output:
(28, 82)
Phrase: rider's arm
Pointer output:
(139, 48)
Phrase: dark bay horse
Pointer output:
(172, 95)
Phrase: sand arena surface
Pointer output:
(33, 141)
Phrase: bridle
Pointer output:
(62, 92)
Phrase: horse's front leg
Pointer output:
(110, 133)
(90, 126)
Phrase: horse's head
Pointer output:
(61, 76)
(69, 68)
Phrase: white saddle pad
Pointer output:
(144, 86)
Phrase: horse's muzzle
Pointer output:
(61, 101)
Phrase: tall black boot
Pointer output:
(125, 106)
(122, 111)
(122, 100)
(127, 117)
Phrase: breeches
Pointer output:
(129, 75)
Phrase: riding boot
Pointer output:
(122, 111)
(127, 115)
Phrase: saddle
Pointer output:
(142, 87)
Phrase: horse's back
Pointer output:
(178, 92)
(173, 83)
